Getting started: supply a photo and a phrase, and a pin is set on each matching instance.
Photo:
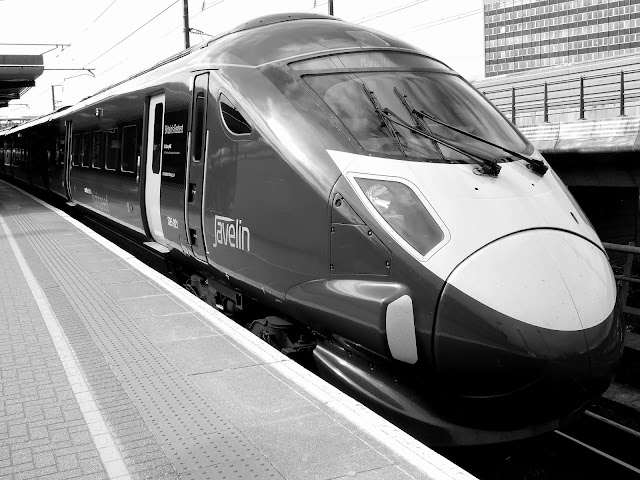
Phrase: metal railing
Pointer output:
(625, 279)
(608, 94)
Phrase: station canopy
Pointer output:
(18, 74)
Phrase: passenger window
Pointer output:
(97, 157)
(86, 149)
(77, 150)
(232, 118)
(157, 138)
(129, 141)
(112, 148)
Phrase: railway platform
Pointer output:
(110, 370)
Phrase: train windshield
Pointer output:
(444, 96)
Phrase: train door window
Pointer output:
(25, 155)
(129, 140)
(112, 148)
(60, 142)
(7, 153)
(97, 154)
(86, 149)
(199, 128)
(232, 118)
(157, 138)
(77, 150)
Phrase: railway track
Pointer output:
(614, 445)
(593, 447)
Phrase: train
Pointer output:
(349, 197)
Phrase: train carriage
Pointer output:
(342, 192)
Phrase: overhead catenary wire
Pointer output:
(91, 24)
(375, 16)
(191, 17)
(443, 20)
(208, 7)
(132, 33)
(102, 13)
(173, 29)
(121, 41)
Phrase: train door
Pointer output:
(153, 169)
(196, 167)
(68, 156)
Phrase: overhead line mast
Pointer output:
(185, 4)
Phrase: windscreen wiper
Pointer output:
(394, 131)
(488, 167)
(417, 119)
(536, 166)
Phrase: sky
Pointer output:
(117, 38)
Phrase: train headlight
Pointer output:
(401, 208)
(380, 197)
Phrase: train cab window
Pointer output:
(368, 60)
(129, 140)
(232, 118)
(97, 153)
(112, 148)
(77, 150)
(86, 149)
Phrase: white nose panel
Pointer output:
(546, 278)
(586, 273)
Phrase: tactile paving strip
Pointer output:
(215, 450)
(170, 406)
(177, 410)
(119, 412)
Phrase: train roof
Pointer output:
(274, 37)
(278, 37)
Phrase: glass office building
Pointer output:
(525, 34)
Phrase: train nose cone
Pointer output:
(527, 308)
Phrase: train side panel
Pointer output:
(106, 150)
(267, 216)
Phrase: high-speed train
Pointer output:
(343, 193)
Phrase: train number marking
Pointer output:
(172, 222)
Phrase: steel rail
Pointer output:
(617, 425)
(599, 452)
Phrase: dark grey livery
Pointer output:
(341, 192)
